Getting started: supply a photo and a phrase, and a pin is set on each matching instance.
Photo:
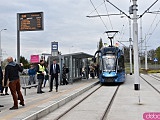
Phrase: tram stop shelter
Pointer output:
(75, 62)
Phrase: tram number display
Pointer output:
(109, 56)
(30, 21)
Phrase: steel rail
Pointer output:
(150, 84)
(76, 104)
(110, 104)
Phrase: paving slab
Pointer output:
(130, 104)
(38, 105)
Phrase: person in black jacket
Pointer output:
(1, 78)
(12, 74)
(54, 71)
(64, 76)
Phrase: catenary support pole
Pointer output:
(146, 66)
(130, 47)
(135, 46)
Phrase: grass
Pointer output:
(141, 70)
(150, 71)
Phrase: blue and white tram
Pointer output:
(112, 68)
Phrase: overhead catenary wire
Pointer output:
(148, 9)
(151, 33)
(118, 9)
(98, 14)
(108, 16)
(152, 23)
(123, 32)
(96, 8)
(148, 32)
(122, 44)
(153, 30)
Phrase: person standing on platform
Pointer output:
(46, 77)
(97, 70)
(6, 91)
(12, 74)
(3, 88)
(64, 72)
(40, 68)
(54, 71)
(31, 73)
(1, 78)
(92, 70)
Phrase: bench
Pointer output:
(28, 87)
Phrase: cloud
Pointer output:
(66, 22)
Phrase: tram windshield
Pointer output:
(109, 63)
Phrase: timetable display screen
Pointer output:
(30, 21)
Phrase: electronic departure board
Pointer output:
(30, 21)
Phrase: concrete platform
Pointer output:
(131, 105)
(38, 105)
(128, 104)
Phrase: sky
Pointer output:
(65, 22)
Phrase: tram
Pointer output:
(111, 61)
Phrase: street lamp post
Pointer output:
(146, 64)
(1, 47)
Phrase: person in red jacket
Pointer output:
(12, 74)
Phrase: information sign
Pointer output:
(30, 21)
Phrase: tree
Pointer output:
(126, 54)
(100, 44)
(151, 54)
(158, 53)
(24, 61)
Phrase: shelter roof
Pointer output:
(79, 55)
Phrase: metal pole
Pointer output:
(130, 47)
(141, 42)
(135, 45)
(130, 54)
(18, 40)
(146, 67)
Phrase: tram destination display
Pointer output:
(30, 21)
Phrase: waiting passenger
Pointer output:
(12, 73)
(92, 70)
(46, 77)
(64, 72)
(31, 73)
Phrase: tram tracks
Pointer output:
(155, 77)
(104, 117)
(60, 116)
(150, 83)
(99, 100)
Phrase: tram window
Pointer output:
(121, 62)
(109, 63)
